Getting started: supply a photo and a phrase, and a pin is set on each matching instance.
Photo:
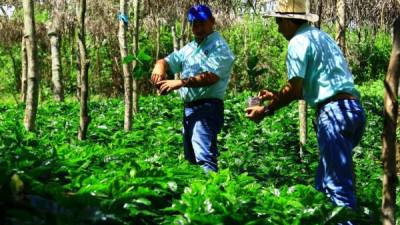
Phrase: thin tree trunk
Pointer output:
(24, 75)
(78, 75)
(65, 60)
(32, 93)
(174, 38)
(303, 110)
(84, 67)
(98, 67)
(246, 57)
(319, 12)
(341, 24)
(158, 31)
(72, 58)
(184, 21)
(78, 60)
(175, 44)
(188, 35)
(55, 40)
(303, 126)
(125, 67)
(135, 50)
(389, 132)
(383, 14)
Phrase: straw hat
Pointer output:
(295, 9)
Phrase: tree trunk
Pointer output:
(319, 12)
(182, 40)
(98, 67)
(383, 14)
(389, 132)
(158, 31)
(125, 67)
(175, 44)
(72, 56)
(174, 38)
(78, 59)
(55, 40)
(78, 75)
(135, 50)
(246, 57)
(24, 75)
(341, 24)
(188, 35)
(303, 126)
(32, 92)
(84, 67)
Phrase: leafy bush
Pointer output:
(141, 177)
(260, 54)
(369, 54)
(10, 70)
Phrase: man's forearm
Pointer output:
(290, 92)
(201, 80)
(280, 99)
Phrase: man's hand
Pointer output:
(159, 72)
(157, 77)
(266, 95)
(166, 86)
(255, 113)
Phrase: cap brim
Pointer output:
(309, 17)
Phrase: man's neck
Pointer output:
(198, 41)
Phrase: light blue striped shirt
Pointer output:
(314, 56)
(211, 55)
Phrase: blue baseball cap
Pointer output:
(200, 13)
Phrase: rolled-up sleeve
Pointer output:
(174, 61)
(219, 62)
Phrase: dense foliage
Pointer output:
(141, 177)
(259, 49)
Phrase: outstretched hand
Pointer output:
(156, 77)
(255, 113)
(166, 86)
(265, 95)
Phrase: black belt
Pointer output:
(202, 101)
(337, 97)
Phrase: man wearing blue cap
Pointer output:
(205, 65)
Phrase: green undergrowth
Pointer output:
(141, 177)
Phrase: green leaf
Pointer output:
(143, 201)
(139, 72)
(128, 59)
(143, 56)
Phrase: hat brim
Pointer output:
(309, 17)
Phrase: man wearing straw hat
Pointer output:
(319, 74)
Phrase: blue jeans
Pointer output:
(201, 125)
(340, 125)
